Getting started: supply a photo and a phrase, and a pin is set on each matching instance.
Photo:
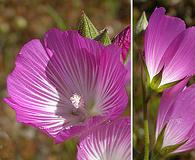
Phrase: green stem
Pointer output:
(145, 100)
(147, 140)
(155, 156)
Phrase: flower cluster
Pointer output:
(169, 50)
(68, 85)
(169, 53)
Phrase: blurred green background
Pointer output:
(180, 8)
(23, 20)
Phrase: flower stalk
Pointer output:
(145, 99)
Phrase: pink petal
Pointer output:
(128, 68)
(111, 95)
(185, 110)
(48, 123)
(180, 120)
(161, 31)
(166, 105)
(123, 40)
(177, 131)
(108, 141)
(182, 64)
(190, 144)
(32, 97)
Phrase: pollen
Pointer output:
(76, 100)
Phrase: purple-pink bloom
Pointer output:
(176, 113)
(109, 141)
(66, 84)
(170, 47)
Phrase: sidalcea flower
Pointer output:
(65, 82)
(169, 50)
(110, 141)
(176, 119)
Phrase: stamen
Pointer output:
(76, 100)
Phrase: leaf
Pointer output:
(86, 27)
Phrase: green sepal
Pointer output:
(159, 141)
(146, 72)
(156, 80)
(86, 27)
(127, 58)
(141, 24)
(145, 69)
(160, 152)
(168, 85)
(104, 38)
(169, 149)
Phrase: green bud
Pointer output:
(141, 24)
(86, 27)
(103, 37)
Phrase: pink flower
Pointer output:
(176, 113)
(169, 47)
(110, 141)
(66, 84)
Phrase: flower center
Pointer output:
(76, 100)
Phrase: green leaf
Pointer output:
(86, 27)
(141, 24)
(103, 37)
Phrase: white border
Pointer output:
(131, 89)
